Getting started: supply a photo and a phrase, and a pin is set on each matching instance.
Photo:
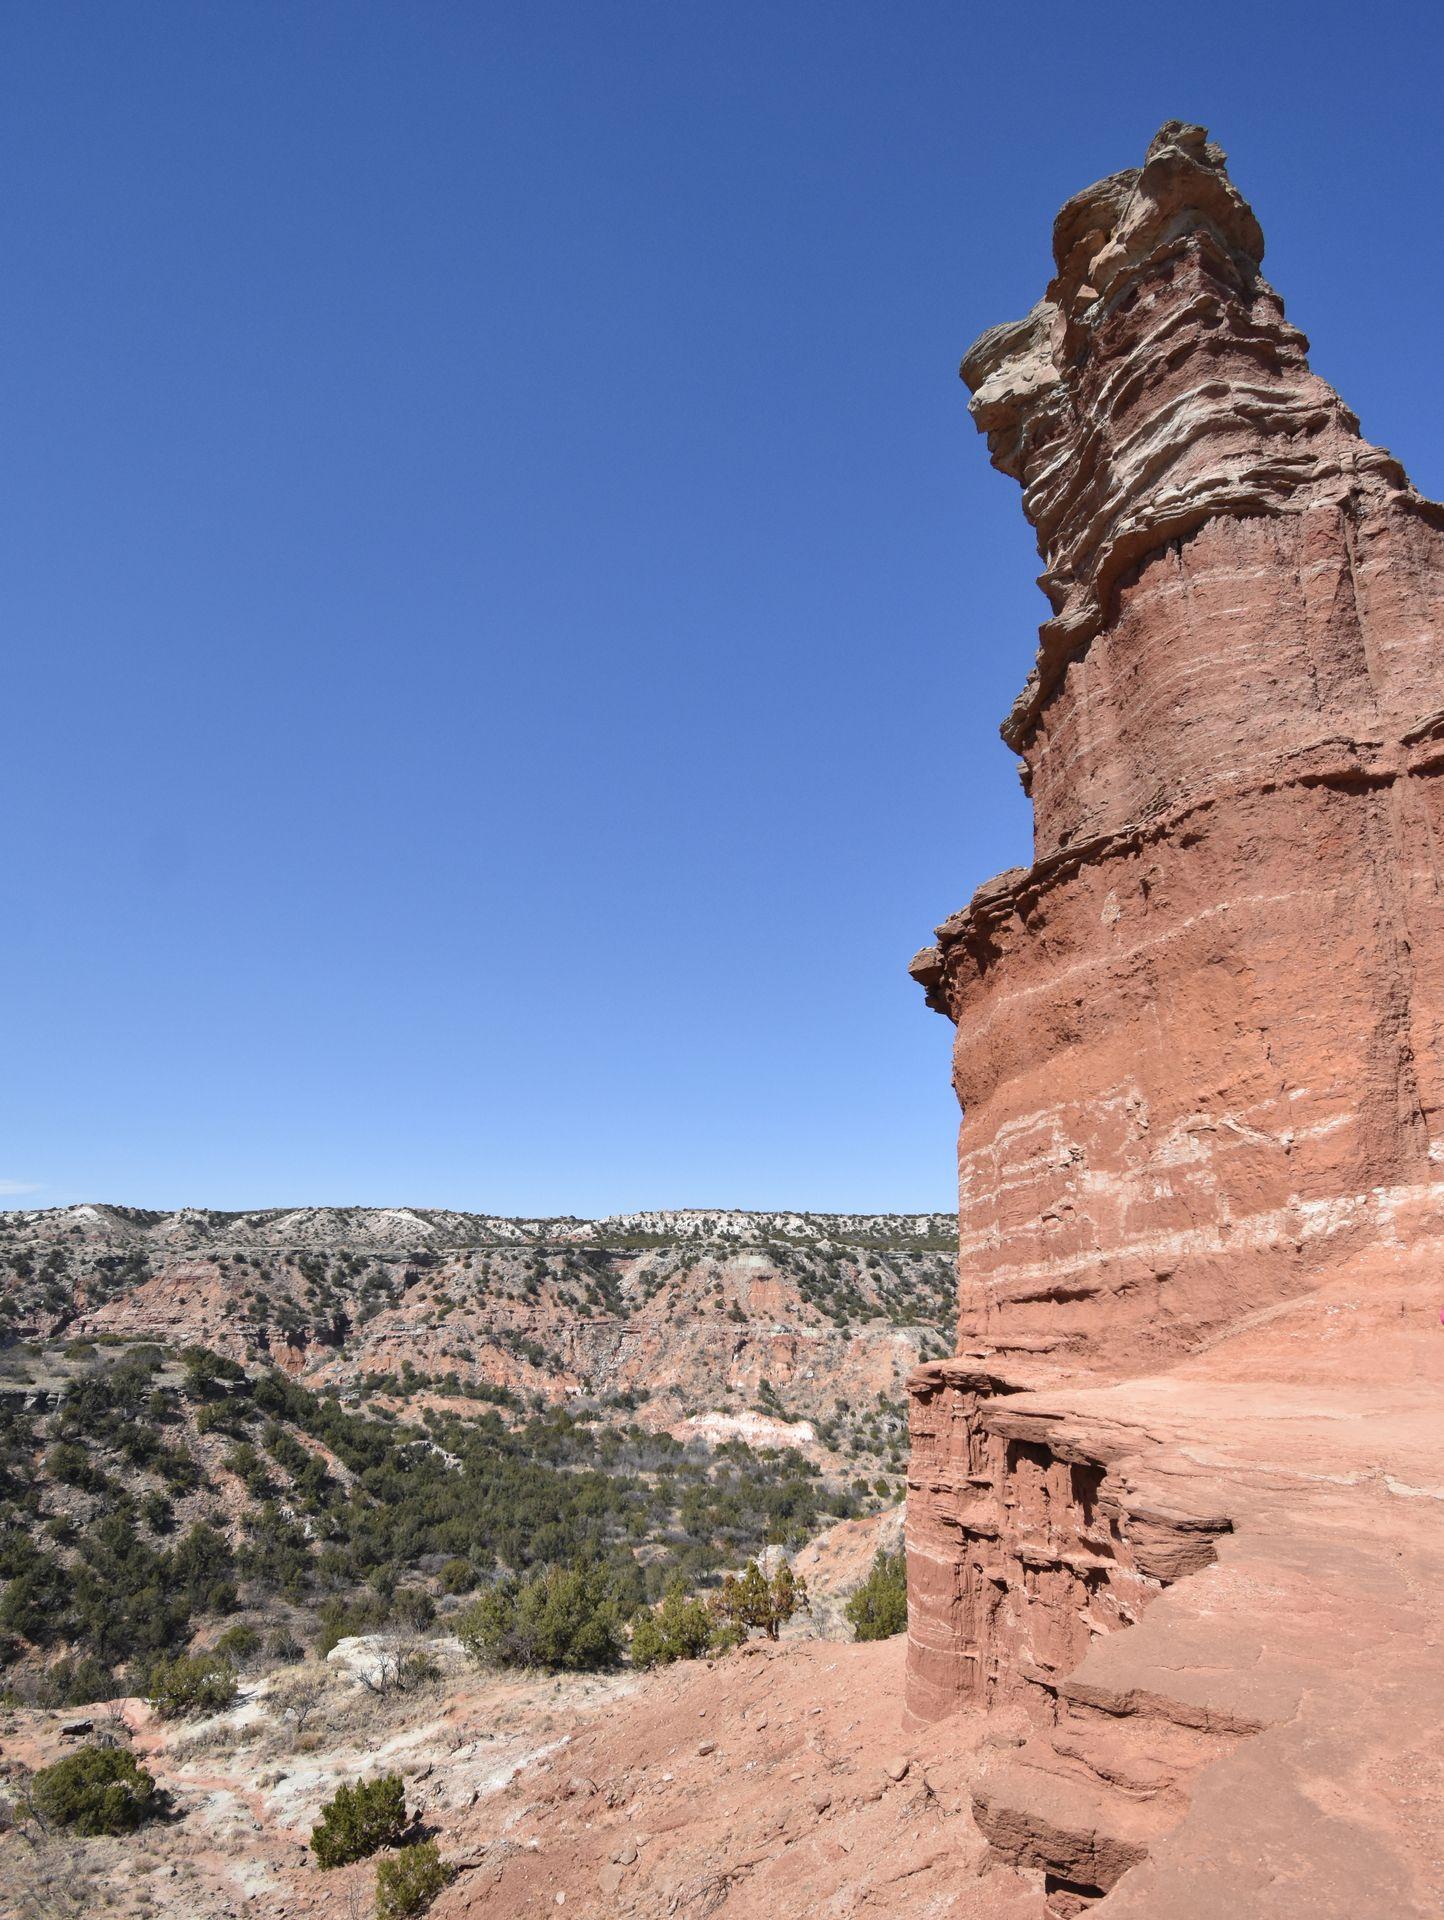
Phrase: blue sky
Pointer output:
(507, 615)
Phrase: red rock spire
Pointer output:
(1200, 1041)
(1157, 386)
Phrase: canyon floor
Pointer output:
(1264, 1741)
(1267, 1741)
(775, 1781)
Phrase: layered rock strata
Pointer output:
(1200, 1041)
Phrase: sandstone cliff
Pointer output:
(1200, 1055)
(1198, 1040)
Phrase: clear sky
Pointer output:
(506, 614)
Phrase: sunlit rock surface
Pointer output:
(1186, 1472)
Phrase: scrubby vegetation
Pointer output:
(409, 1881)
(190, 1686)
(565, 1619)
(751, 1599)
(99, 1790)
(683, 1627)
(359, 1820)
(850, 1269)
(879, 1608)
(113, 1555)
(161, 1506)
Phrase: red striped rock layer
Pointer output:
(1200, 1043)
(1201, 1064)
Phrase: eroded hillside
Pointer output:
(336, 1422)
(780, 1329)
(280, 1461)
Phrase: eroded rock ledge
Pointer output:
(1030, 1539)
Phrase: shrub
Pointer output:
(409, 1881)
(564, 1619)
(36, 1602)
(199, 1684)
(158, 1513)
(204, 1371)
(284, 1646)
(679, 1629)
(70, 1464)
(458, 1576)
(219, 1417)
(201, 1566)
(340, 1621)
(357, 1821)
(98, 1790)
(879, 1608)
(75, 1682)
(299, 1696)
(398, 1664)
(239, 1643)
(414, 1608)
(755, 1601)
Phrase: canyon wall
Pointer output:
(776, 1329)
(1200, 1041)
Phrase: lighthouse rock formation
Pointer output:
(1200, 1056)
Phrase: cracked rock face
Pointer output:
(1199, 1040)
